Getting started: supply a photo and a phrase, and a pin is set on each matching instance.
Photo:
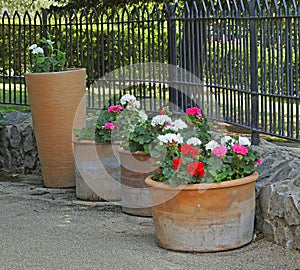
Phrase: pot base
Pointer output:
(204, 217)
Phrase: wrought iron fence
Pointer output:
(239, 62)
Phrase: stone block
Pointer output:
(4, 137)
(15, 137)
(264, 199)
(276, 206)
(268, 230)
(282, 234)
(297, 238)
(29, 142)
(292, 210)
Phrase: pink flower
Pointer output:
(109, 125)
(194, 111)
(240, 149)
(258, 162)
(219, 151)
(115, 108)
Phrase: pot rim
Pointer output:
(55, 72)
(203, 186)
(76, 141)
(127, 152)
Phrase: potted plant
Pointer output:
(57, 102)
(97, 168)
(137, 133)
(203, 195)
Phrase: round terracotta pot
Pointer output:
(204, 217)
(97, 171)
(56, 100)
(135, 167)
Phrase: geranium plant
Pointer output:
(192, 157)
(48, 59)
(131, 120)
(106, 123)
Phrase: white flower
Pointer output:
(50, 42)
(33, 46)
(170, 127)
(35, 49)
(170, 138)
(211, 145)
(127, 98)
(143, 116)
(244, 141)
(160, 120)
(179, 124)
(38, 50)
(194, 141)
(226, 139)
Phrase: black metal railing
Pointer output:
(239, 62)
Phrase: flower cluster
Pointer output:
(54, 61)
(182, 142)
(230, 158)
(190, 158)
(105, 123)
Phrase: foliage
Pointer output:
(88, 132)
(190, 160)
(130, 125)
(231, 158)
(84, 133)
(2, 122)
(50, 60)
(24, 5)
(105, 123)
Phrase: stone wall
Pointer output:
(278, 188)
(18, 151)
(278, 195)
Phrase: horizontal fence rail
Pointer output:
(239, 62)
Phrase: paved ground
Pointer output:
(49, 229)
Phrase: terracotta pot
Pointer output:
(97, 171)
(135, 167)
(56, 100)
(204, 217)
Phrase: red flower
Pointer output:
(176, 163)
(196, 169)
(190, 150)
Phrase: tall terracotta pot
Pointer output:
(97, 171)
(204, 217)
(135, 167)
(56, 99)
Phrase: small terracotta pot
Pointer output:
(135, 167)
(204, 217)
(56, 100)
(97, 171)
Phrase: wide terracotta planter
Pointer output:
(135, 167)
(204, 217)
(57, 102)
(97, 171)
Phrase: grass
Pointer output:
(14, 108)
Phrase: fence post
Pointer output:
(254, 74)
(44, 22)
(172, 54)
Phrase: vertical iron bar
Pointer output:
(44, 22)
(172, 53)
(253, 74)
